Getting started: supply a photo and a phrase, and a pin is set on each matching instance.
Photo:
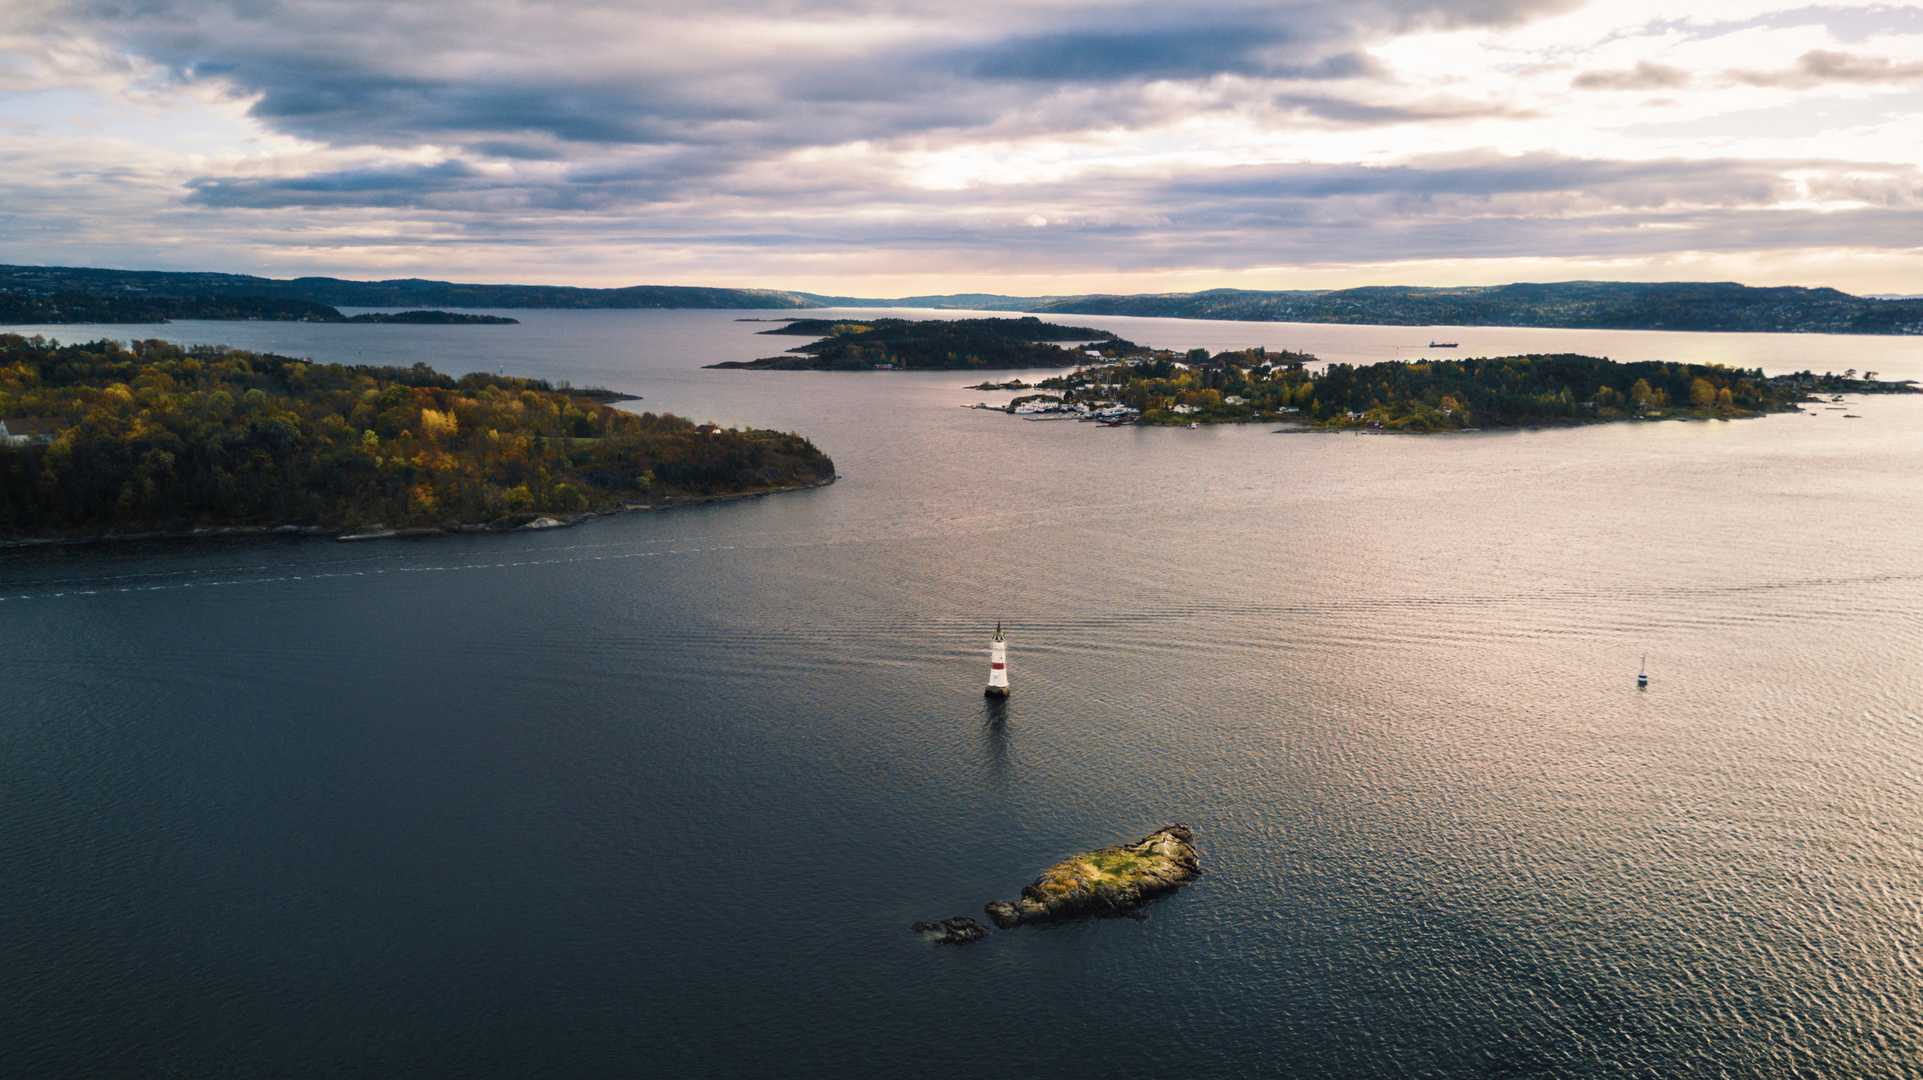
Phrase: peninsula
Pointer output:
(1422, 396)
(935, 345)
(105, 440)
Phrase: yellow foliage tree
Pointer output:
(436, 424)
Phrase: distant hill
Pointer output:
(1601, 305)
(1597, 305)
(1593, 305)
(78, 307)
(46, 281)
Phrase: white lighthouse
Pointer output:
(997, 665)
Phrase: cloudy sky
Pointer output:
(889, 147)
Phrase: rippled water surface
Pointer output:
(660, 795)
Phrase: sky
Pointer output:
(902, 147)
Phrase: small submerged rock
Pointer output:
(1112, 881)
(959, 930)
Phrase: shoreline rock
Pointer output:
(1112, 881)
(514, 523)
(960, 930)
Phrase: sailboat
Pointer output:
(1642, 677)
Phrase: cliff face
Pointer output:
(1113, 880)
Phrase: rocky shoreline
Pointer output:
(514, 523)
(1110, 882)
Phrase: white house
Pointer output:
(24, 430)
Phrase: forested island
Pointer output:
(1424, 396)
(934, 345)
(77, 307)
(156, 437)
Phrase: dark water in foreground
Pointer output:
(660, 795)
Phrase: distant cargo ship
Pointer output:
(1442, 344)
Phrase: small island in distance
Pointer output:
(432, 318)
(106, 440)
(931, 345)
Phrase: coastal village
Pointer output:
(1118, 387)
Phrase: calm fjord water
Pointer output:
(660, 795)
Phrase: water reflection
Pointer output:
(995, 711)
(995, 737)
(391, 790)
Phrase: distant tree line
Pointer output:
(18, 308)
(1617, 305)
(404, 292)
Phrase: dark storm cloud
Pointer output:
(347, 107)
(1313, 41)
(1236, 45)
(527, 150)
(393, 73)
(406, 185)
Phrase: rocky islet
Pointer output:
(1108, 882)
